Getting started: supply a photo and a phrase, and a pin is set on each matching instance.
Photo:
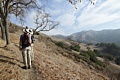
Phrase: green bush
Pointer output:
(92, 57)
(60, 44)
(97, 52)
(117, 60)
(75, 47)
(108, 56)
(100, 63)
(85, 55)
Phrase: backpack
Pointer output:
(26, 40)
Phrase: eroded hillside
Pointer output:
(50, 63)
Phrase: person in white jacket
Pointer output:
(32, 44)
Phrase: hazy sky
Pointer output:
(105, 14)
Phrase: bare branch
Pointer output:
(19, 8)
(74, 2)
(1, 11)
(44, 23)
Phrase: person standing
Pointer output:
(25, 47)
(32, 44)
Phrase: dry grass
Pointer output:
(11, 62)
(49, 64)
(54, 66)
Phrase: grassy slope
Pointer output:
(49, 63)
(112, 70)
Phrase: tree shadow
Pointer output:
(2, 47)
(10, 62)
(6, 61)
(1, 56)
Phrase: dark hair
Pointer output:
(26, 27)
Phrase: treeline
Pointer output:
(110, 48)
(110, 51)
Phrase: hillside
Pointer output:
(91, 36)
(51, 63)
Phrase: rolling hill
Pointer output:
(91, 36)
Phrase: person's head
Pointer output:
(26, 27)
(26, 31)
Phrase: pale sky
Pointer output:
(105, 14)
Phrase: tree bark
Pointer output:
(2, 31)
(7, 32)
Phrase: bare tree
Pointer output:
(16, 7)
(2, 31)
(74, 2)
(43, 22)
(19, 8)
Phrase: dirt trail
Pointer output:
(11, 64)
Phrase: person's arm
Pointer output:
(20, 45)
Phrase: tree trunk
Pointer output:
(2, 31)
(7, 32)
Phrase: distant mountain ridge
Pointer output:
(91, 36)
(61, 37)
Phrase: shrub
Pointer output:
(96, 51)
(117, 60)
(85, 55)
(75, 47)
(100, 63)
(92, 57)
(107, 56)
(60, 44)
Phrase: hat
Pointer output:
(30, 31)
(26, 30)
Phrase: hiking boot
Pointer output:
(29, 67)
(24, 67)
